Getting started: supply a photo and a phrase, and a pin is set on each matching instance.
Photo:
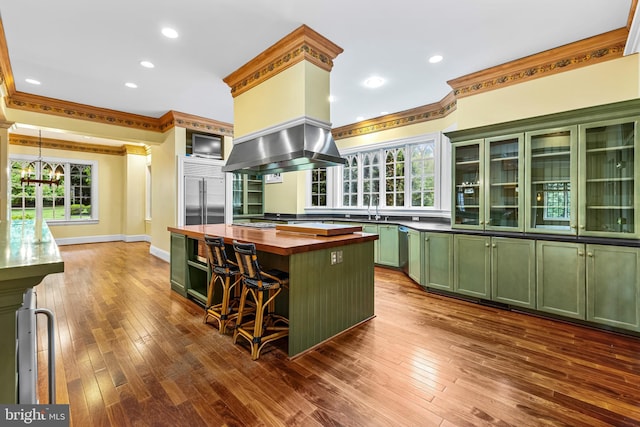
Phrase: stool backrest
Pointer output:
(216, 252)
(247, 258)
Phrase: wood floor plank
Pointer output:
(131, 352)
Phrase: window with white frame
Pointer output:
(371, 178)
(319, 187)
(350, 181)
(423, 166)
(72, 199)
(394, 176)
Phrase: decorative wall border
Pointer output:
(301, 44)
(593, 50)
(434, 111)
(189, 121)
(58, 144)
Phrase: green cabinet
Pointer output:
(608, 174)
(488, 177)
(560, 278)
(513, 271)
(496, 268)
(613, 286)
(551, 180)
(438, 261)
(389, 250)
(248, 195)
(373, 229)
(472, 265)
(178, 265)
(414, 255)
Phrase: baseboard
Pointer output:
(103, 239)
(159, 253)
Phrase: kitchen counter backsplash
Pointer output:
(422, 224)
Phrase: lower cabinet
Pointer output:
(613, 286)
(438, 261)
(414, 255)
(472, 265)
(513, 271)
(389, 251)
(560, 272)
(373, 228)
(495, 268)
(178, 265)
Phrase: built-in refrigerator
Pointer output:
(204, 193)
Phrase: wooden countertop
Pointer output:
(272, 240)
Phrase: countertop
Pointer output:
(272, 240)
(28, 250)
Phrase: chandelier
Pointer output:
(25, 176)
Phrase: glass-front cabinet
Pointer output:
(488, 175)
(552, 166)
(607, 179)
(504, 176)
(468, 170)
(247, 195)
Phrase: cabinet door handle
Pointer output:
(493, 245)
(590, 254)
(486, 244)
(580, 253)
(581, 227)
(426, 239)
(572, 226)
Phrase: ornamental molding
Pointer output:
(196, 123)
(600, 48)
(413, 116)
(58, 144)
(301, 44)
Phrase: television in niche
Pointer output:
(208, 146)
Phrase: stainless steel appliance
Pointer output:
(204, 194)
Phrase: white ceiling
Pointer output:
(84, 51)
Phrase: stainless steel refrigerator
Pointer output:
(204, 196)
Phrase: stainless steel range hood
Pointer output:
(286, 148)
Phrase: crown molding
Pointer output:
(590, 51)
(301, 44)
(58, 144)
(6, 75)
(413, 116)
(189, 121)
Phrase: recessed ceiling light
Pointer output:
(359, 118)
(32, 81)
(131, 85)
(147, 64)
(374, 82)
(384, 113)
(435, 59)
(332, 98)
(170, 33)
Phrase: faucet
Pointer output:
(377, 212)
(369, 210)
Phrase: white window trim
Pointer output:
(442, 185)
(95, 203)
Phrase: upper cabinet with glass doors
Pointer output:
(579, 167)
(608, 175)
(488, 178)
(552, 167)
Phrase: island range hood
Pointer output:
(281, 107)
(302, 146)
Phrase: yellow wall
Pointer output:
(134, 194)
(286, 196)
(300, 90)
(611, 81)
(164, 186)
(110, 196)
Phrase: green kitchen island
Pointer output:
(331, 277)
(29, 253)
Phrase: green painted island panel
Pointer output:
(326, 299)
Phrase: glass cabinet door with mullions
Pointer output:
(551, 181)
(468, 193)
(607, 176)
(503, 183)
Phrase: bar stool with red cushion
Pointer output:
(263, 287)
(228, 274)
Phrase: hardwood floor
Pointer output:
(132, 352)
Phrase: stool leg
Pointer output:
(243, 299)
(224, 309)
(258, 326)
(210, 288)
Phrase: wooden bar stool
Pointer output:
(264, 287)
(228, 274)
